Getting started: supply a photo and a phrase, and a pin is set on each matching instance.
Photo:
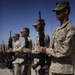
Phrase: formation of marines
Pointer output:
(44, 56)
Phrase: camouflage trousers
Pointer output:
(36, 71)
(18, 69)
(60, 74)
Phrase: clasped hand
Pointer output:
(42, 49)
(10, 50)
(26, 50)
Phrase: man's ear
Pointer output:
(66, 11)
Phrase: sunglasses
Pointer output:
(21, 32)
(14, 37)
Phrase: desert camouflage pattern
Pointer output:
(62, 49)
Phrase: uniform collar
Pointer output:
(27, 37)
(62, 26)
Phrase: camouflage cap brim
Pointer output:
(22, 30)
(16, 34)
(36, 24)
(39, 22)
(60, 5)
(57, 9)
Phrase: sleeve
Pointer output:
(33, 48)
(18, 44)
(65, 48)
(31, 44)
(21, 47)
(50, 50)
(35, 45)
(47, 40)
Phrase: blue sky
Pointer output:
(16, 14)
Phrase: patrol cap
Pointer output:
(25, 29)
(60, 5)
(16, 34)
(37, 22)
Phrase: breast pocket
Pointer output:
(61, 36)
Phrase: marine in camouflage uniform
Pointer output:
(25, 33)
(17, 61)
(36, 42)
(62, 45)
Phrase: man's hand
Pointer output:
(10, 50)
(0, 50)
(46, 67)
(26, 50)
(42, 49)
